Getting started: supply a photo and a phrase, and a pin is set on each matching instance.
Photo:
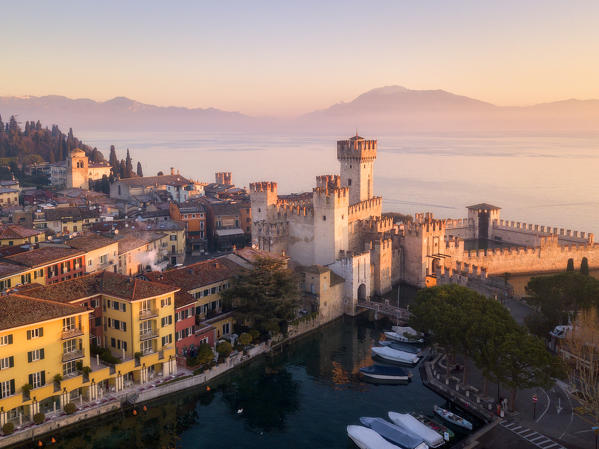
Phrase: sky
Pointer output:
(287, 58)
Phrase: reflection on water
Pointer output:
(303, 397)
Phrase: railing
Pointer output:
(71, 333)
(148, 334)
(72, 355)
(145, 314)
(385, 309)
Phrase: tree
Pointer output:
(265, 297)
(244, 339)
(584, 266)
(524, 362)
(224, 348)
(113, 160)
(580, 350)
(128, 165)
(160, 173)
(570, 267)
(139, 170)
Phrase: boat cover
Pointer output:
(384, 370)
(393, 433)
(408, 422)
(393, 354)
(368, 439)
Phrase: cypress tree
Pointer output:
(139, 170)
(570, 267)
(128, 165)
(584, 266)
(113, 160)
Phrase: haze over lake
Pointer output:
(539, 180)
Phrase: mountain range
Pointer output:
(384, 109)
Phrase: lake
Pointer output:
(302, 398)
(539, 180)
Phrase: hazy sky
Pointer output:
(283, 57)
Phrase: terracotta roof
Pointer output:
(183, 299)
(198, 274)
(113, 284)
(251, 254)
(7, 269)
(148, 181)
(133, 240)
(18, 310)
(90, 242)
(77, 213)
(16, 232)
(43, 256)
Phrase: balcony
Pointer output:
(147, 314)
(148, 334)
(73, 355)
(71, 333)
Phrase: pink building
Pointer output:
(189, 331)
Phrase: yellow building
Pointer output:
(101, 253)
(132, 318)
(140, 250)
(9, 197)
(15, 235)
(39, 340)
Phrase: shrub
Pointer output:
(224, 348)
(57, 378)
(254, 333)
(138, 355)
(86, 370)
(70, 408)
(39, 418)
(8, 428)
(79, 365)
(245, 339)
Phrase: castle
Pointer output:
(339, 225)
(80, 171)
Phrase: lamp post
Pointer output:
(596, 432)
(534, 410)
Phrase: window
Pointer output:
(6, 340)
(145, 327)
(93, 303)
(213, 290)
(116, 324)
(7, 388)
(165, 321)
(173, 237)
(98, 321)
(68, 323)
(123, 326)
(7, 362)
(115, 305)
(146, 347)
(90, 262)
(35, 355)
(324, 218)
(69, 368)
(35, 333)
(226, 328)
(125, 345)
(167, 339)
(103, 259)
(69, 346)
(38, 379)
(206, 292)
(349, 182)
(165, 302)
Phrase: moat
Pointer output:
(303, 397)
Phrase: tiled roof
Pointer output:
(7, 269)
(148, 181)
(485, 206)
(18, 310)
(198, 274)
(43, 256)
(105, 282)
(16, 232)
(133, 240)
(183, 299)
(90, 242)
(78, 213)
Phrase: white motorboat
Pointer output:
(386, 374)
(366, 438)
(394, 434)
(404, 335)
(411, 424)
(452, 418)
(394, 355)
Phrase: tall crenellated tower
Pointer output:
(263, 196)
(330, 223)
(223, 177)
(357, 156)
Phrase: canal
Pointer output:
(303, 397)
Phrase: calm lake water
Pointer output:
(540, 180)
(303, 398)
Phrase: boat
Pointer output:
(395, 356)
(452, 418)
(404, 335)
(411, 424)
(366, 438)
(405, 347)
(386, 374)
(447, 433)
(394, 434)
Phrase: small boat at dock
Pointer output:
(366, 438)
(412, 425)
(394, 356)
(452, 418)
(406, 347)
(447, 433)
(404, 335)
(394, 434)
(385, 374)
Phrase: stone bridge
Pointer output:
(381, 308)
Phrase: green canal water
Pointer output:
(303, 397)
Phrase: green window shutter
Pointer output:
(28, 335)
(31, 379)
(10, 339)
(29, 356)
(43, 378)
(11, 361)
(42, 353)
(12, 386)
(41, 331)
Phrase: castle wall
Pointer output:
(365, 209)
(355, 269)
(300, 241)
(381, 260)
(330, 224)
(547, 258)
(521, 233)
(462, 228)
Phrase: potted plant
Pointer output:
(70, 408)
(39, 418)
(25, 389)
(86, 370)
(8, 428)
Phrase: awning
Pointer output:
(224, 232)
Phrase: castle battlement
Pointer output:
(357, 148)
(564, 234)
(335, 197)
(452, 223)
(371, 203)
(263, 186)
(378, 224)
(425, 223)
(328, 181)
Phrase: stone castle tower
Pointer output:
(77, 170)
(356, 156)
